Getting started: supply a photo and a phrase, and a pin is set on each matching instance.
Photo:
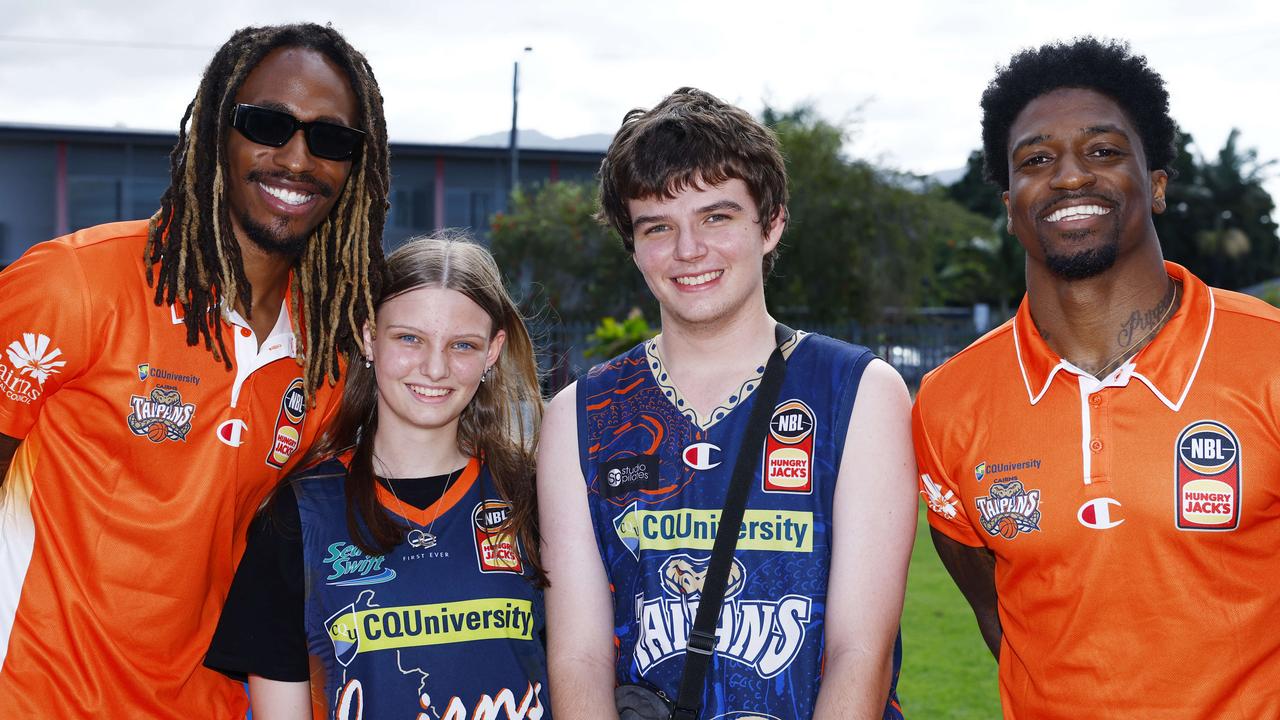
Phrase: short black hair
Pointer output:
(1104, 66)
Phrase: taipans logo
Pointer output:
(293, 411)
(941, 500)
(702, 456)
(1209, 479)
(352, 567)
(231, 432)
(765, 635)
(1097, 514)
(160, 416)
(497, 547)
(980, 471)
(788, 450)
(1009, 509)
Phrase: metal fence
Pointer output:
(914, 346)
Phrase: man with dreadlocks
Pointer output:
(161, 376)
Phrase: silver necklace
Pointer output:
(419, 539)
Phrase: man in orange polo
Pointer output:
(157, 379)
(1103, 471)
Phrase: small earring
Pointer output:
(488, 373)
(368, 363)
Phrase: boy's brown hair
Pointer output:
(691, 139)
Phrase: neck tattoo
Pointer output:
(1148, 323)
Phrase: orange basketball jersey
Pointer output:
(143, 459)
(1135, 519)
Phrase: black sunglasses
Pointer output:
(275, 128)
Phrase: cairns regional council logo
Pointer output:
(765, 635)
(1009, 509)
(161, 415)
(1208, 479)
(32, 361)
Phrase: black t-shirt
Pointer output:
(261, 630)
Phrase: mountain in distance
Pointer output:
(534, 140)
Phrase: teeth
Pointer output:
(428, 392)
(1077, 212)
(286, 196)
(700, 279)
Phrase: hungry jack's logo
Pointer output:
(1208, 480)
(293, 410)
(788, 450)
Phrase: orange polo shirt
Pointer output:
(123, 515)
(1135, 519)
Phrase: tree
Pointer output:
(861, 241)
(986, 268)
(1220, 219)
(559, 257)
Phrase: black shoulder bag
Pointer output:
(640, 702)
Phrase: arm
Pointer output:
(870, 551)
(8, 446)
(580, 650)
(278, 700)
(974, 571)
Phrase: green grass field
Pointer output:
(947, 671)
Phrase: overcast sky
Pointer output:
(906, 75)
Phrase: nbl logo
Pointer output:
(1208, 478)
(788, 450)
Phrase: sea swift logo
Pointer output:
(1009, 509)
(161, 416)
(765, 635)
(352, 567)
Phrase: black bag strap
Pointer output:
(702, 636)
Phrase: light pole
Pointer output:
(515, 106)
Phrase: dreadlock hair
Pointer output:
(498, 425)
(191, 239)
(1107, 67)
(690, 139)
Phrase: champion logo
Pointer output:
(702, 456)
(32, 357)
(1097, 514)
(231, 432)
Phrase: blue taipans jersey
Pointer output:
(657, 474)
(446, 624)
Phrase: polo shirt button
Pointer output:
(1095, 399)
(245, 332)
(1095, 445)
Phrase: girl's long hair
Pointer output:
(499, 425)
